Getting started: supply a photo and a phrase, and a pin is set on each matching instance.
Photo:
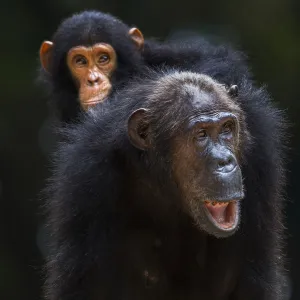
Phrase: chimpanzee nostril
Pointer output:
(221, 164)
(226, 161)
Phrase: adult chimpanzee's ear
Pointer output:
(233, 91)
(137, 37)
(46, 55)
(138, 129)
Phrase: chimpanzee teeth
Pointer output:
(214, 203)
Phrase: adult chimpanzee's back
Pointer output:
(171, 189)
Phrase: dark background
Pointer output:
(269, 32)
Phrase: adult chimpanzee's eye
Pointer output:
(227, 128)
(80, 60)
(103, 58)
(202, 134)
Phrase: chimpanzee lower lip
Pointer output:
(222, 214)
(93, 100)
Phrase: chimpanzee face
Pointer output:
(207, 172)
(91, 69)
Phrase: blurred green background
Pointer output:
(269, 32)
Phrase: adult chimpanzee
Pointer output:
(147, 195)
(90, 54)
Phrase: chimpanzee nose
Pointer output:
(225, 162)
(93, 78)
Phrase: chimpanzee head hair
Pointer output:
(87, 29)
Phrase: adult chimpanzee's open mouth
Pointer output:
(223, 214)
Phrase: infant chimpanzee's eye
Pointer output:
(103, 58)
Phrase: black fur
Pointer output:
(87, 28)
(117, 238)
(196, 54)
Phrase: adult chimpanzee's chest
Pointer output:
(179, 265)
